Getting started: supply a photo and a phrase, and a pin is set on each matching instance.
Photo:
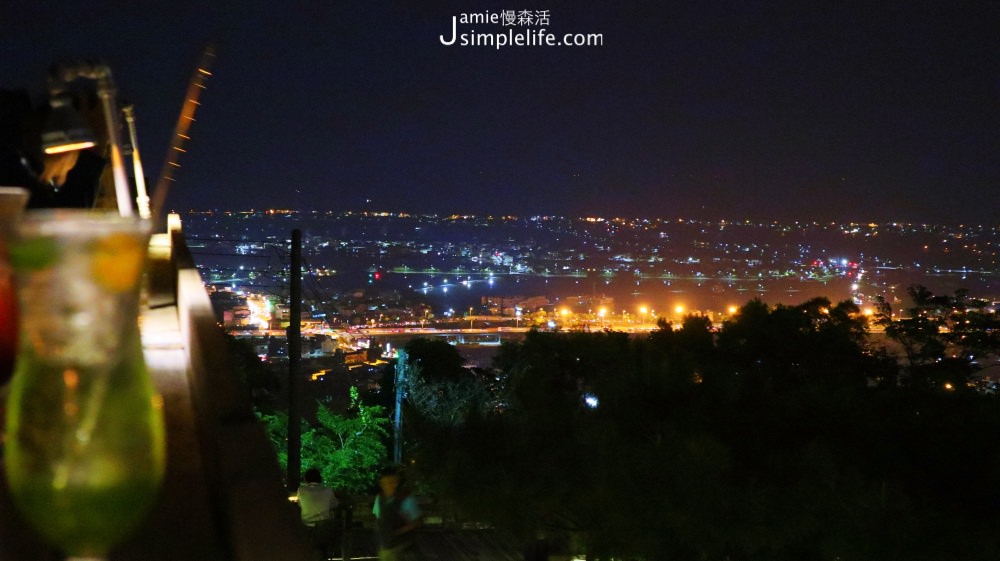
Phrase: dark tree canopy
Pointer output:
(943, 338)
(437, 359)
(769, 439)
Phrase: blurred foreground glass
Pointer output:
(12, 202)
(84, 451)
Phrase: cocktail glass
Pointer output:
(84, 451)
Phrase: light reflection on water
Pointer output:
(707, 295)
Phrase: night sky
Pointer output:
(806, 111)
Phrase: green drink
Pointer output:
(85, 439)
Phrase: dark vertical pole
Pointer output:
(294, 356)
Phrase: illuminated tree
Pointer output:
(347, 449)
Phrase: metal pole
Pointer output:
(397, 440)
(294, 357)
(195, 86)
(141, 197)
(106, 91)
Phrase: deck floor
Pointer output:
(436, 544)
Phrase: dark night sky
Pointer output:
(763, 110)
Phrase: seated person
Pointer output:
(317, 504)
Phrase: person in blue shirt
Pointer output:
(397, 516)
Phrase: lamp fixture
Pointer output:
(65, 129)
(60, 76)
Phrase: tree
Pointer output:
(439, 389)
(447, 402)
(942, 337)
(260, 381)
(347, 449)
(761, 441)
(436, 358)
(812, 344)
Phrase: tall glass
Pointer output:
(85, 449)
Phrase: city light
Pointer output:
(751, 269)
(260, 311)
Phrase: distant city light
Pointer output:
(642, 274)
(591, 401)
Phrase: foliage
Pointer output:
(765, 440)
(448, 401)
(942, 337)
(276, 425)
(436, 358)
(439, 390)
(260, 382)
(347, 449)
